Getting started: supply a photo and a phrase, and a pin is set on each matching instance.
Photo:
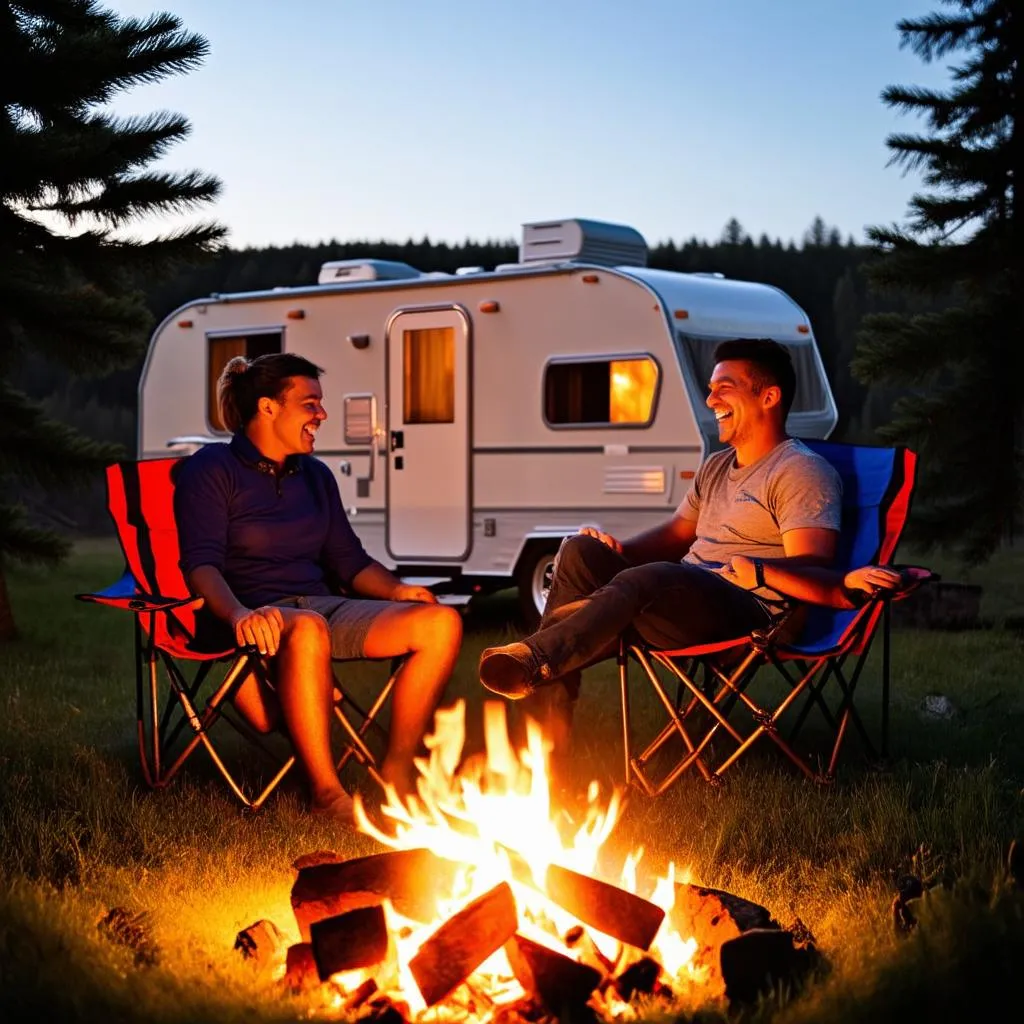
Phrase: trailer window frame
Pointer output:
(213, 421)
(808, 386)
(607, 358)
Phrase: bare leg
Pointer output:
(305, 688)
(257, 703)
(428, 636)
(302, 698)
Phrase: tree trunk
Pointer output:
(8, 630)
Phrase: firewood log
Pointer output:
(464, 942)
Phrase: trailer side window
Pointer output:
(428, 375)
(222, 348)
(600, 392)
(810, 392)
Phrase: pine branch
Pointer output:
(175, 249)
(74, 159)
(907, 350)
(64, 71)
(934, 35)
(81, 328)
(24, 542)
(36, 448)
(912, 99)
(125, 199)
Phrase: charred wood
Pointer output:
(758, 961)
(357, 938)
(614, 911)
(555, 979)
(412, 880)
(300, 967)
(640, 976)
(464, 942)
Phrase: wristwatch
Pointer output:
(758, 573)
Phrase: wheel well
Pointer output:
(534, 547)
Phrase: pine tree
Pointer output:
(73, 181)
(963, 244)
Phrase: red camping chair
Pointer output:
(829, 654)
(170, 722)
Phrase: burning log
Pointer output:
(640, 976)
(464, 942)
(609, 909)
(367, 990)
(713, 917)
(357, 938)
(382, 1010)
(412, 879)
(556, 980)
(758, 960)
(311, 860)
(300, 967)
(580, 941)
(261, 943)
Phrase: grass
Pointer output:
(81, 834)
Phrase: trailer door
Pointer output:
(428, 412)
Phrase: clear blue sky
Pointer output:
(395, 119)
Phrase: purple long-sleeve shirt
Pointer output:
(270, 536)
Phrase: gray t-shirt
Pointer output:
(745, 511)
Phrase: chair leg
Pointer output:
(356, 746)
(148, 684)
(202, 724)
(676, 723)
(622, 662)
(886, 639)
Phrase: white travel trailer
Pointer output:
(477, 418)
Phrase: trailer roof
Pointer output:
(717, 306)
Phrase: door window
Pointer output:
(428, 375)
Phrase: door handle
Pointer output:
(397, 439)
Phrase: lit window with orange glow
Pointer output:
(631, 390)
(600, 392)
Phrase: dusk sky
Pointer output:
(397, 119)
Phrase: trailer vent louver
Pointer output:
(583, 241)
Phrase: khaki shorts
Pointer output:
(350, 619)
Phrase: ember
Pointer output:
(486, 906)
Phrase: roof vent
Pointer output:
(344, 271)
(583, 241)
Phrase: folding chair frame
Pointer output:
(807, 670)
(162, 718)
(812, 676)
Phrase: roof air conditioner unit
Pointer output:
(583, 241)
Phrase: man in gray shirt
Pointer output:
(765, 509)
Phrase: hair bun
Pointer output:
(236, 366)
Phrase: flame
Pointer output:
(493, 816)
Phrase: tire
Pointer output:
(533, 578)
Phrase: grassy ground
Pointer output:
(81, 834)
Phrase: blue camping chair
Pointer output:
(826, 658)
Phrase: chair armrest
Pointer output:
(140, 603)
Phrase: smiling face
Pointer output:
(743, 410)
(295, 419)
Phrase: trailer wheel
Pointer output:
(533, 578)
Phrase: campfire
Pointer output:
(491, 904)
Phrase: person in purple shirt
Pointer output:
(266, 543)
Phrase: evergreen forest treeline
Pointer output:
(823, 274)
